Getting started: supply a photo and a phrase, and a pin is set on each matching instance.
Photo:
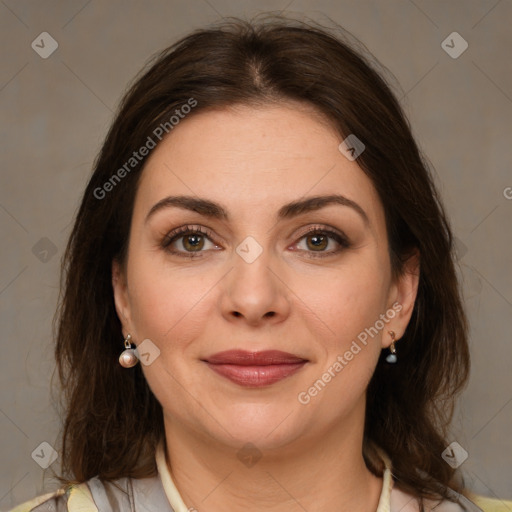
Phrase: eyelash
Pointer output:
(191, 230)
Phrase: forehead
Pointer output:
(254, 160)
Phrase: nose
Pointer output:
(255, 292)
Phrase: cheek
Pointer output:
(350, 306)
(168, 306)
(346, 300)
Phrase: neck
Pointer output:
(306, 475)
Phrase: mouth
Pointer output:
(255, 369)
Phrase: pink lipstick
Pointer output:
(255, 369)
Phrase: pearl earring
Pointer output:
(128, 359)
(391, 358)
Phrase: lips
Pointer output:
(255, 369)
(245, 358)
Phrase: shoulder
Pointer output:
(467, 502)
(72, 497)
(96, 495)
(490, 504)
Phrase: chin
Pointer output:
(263, 437)
(267, 425)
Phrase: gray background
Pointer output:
(55, 113)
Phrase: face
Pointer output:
(244, 272)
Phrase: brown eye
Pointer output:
(317, 240)
(193, 242)
(187, 241)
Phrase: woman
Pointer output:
(260, 309)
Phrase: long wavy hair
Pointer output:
(112, 421)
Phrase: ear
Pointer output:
(402, 298)
(120, 286)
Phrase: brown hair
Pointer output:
(113, 421)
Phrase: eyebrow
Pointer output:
(216, 211)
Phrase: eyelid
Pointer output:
(326, 228)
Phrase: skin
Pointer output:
(252, 161)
